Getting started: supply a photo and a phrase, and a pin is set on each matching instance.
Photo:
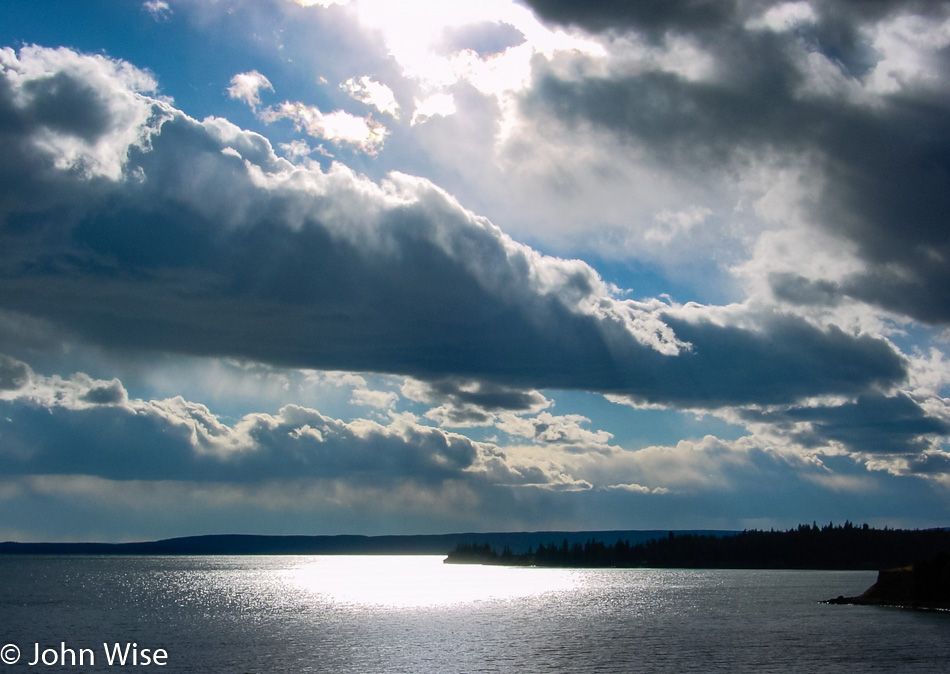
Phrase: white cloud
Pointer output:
(339, 126)
(638, 488)
(908, 47)
(690, 467)
(297, 150)
(929, 372)
(441, 105)
(247, 87)
(414, 38)
(116, 116)
(671, 225)
(320, 3)
(159, 9)
(547, 428)
(79, 392)
(371, 398)
(369, 91)
(784, 17)
(630, 54)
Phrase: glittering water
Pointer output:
(414, 614)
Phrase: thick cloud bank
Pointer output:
(91, 427)
(87, 441)
(130, 224)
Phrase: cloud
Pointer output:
(673, 224)
(196, 238)
(372, 398)
(707, 465)
(435, 105)
(91, 427)
(14, 374)
(654, 17)
(783, 17)
(639, 489)
(471, 403)
(373, 93)
(247, 87)
(85, 443)
(485, 38)
(159, 9)
(111, 393)
(337, 126)
(73, 113)
(320, 3)
(547, 428)
(856, 92)
(871, 424)
(238, 309)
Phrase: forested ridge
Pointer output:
(831, 546)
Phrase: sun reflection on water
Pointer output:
(420, 581)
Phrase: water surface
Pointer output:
(415, 614)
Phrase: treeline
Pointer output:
(844, 546)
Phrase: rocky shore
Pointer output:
(925, 585)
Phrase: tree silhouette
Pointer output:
(805, 547)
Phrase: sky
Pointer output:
(393, 267)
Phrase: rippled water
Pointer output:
(414, 614)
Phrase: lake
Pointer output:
(413, 614)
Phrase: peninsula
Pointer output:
(925, 585)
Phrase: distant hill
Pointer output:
(435, 544)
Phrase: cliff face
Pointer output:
(923, 586)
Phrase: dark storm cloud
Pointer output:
(14, 374)
(885, 165)
(873, 423)
(800, 290)
(162, 233)
(782, 357)
(930, 463)
(471, 403)
(654, 17)
(62, 103)
(483, 395)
